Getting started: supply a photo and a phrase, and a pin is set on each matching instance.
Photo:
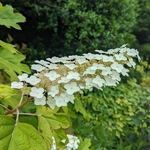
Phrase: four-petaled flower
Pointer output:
(33, 80)
(71, 88)
(17, 85)
(52, 75)
(37, 92)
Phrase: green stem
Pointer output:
(18, 107)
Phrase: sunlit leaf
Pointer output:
(21, 136)
(84, 144)
(9, 47)
(55, 120)
(10, 19)
(11, 64)
(8, 96)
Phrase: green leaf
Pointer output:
(52, 124)
(9, 47)
(55, 120)
(60, 135)
(19, 136)
(84, 144)
(11, 64)
(79, 108)
(10, 19)
(8, 96)
(45, 131)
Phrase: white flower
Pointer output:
(67, 97)
(81, 60)
(40, 101)
(33, 80)
(52, 75)
(54, 59)
(89, 83)
(113, 51)
(89, 70)
(60, 101)
(42, 62)
(125, 72)
(109, 81)
(108, 58)
(116, 66)
(37, 92)
(106, 71)
(115, 75)
(53, 91)
(64, 80)
(90, 56)
(99, 81)
(37, 67)
(70, 66)
(73, 143)
(17, 85)
(96, 66)
(73, 75)
(131, 63)
(23, 77)
(51, 66)
(71, 88)
(132, 52)
(51, 102)
(120, 57)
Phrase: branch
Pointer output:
(18, 107)
(4, 107)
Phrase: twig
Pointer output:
(18, 107)
(5, 107)
(27, 114)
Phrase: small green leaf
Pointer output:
(10, 19)
(84, 144)
(19, 136)
(79, 108)
(9, 47)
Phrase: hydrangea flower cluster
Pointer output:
(73, 143)
(57, 79)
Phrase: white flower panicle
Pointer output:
(57, 79)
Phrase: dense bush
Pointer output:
(75, 26)
(141, 30)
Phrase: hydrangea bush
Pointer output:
(56, 80)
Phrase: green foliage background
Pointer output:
(65, 27)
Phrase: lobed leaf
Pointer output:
(11, 63)
(55, 120)
(9, 47)
(19, 136)
(9, 18)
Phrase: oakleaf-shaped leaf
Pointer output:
(9, 47)
(55, 120)
(10, 19)
(8, 96)
(21, 136)
(11, 64)
(84, 144)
